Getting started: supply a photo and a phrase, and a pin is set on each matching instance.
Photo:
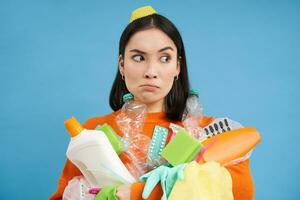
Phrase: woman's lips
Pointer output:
(149, 88)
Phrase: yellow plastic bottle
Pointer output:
(94, 156)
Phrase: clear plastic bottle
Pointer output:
(192, 114)
(131, 121)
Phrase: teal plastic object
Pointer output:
(127, 97)
(193, 92)
(167, 176)
(112, 136)
(181, 149)
(158, 141)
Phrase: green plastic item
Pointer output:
(107, 193)
(181, 149)
(112, 136)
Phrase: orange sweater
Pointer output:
(243, 188)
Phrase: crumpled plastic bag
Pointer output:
(208, 181)
(77, 189)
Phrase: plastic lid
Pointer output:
(127, 97)
(73, 126)
(193, 92)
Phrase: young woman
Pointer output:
(152, 66)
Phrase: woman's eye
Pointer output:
(138, 58)
(164, 58)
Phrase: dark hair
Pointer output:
(175, 100)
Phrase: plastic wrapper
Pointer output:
(174, 128)
(156, 162)
(77, 189)
(238, 160)
(192, 114)
(130, 122)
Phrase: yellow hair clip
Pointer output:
(141, 12)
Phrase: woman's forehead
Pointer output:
(150, 40)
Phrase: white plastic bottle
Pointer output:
(94, 156)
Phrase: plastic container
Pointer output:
(132, 116)
(131, 122)
(192, 114)
(94, 156)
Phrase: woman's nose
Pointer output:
(150, 75)
(150, 71)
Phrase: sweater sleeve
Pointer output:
(137, 191)
(242, 184)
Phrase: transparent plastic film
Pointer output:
(192, 115)
(77, 189)
(156, 162)
(241, 159)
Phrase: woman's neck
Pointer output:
(155, 107)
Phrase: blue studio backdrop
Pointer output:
(59, 58)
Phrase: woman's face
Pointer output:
(149, 67)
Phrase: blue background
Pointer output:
(58, 59)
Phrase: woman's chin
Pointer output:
(149, 98)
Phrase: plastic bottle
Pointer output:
(94, 156)
(132, 116)
(131, 121)
(192, 114)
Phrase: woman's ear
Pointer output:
(178, 66)
(121, 64)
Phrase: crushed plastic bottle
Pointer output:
(192, 114)
(130, 121)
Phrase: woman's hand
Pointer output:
(123, 192)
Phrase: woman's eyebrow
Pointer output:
(166, 48)
(142, 52)
(137, 51)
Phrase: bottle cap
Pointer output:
(193, 92)
(73, 126)
(127, 97)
